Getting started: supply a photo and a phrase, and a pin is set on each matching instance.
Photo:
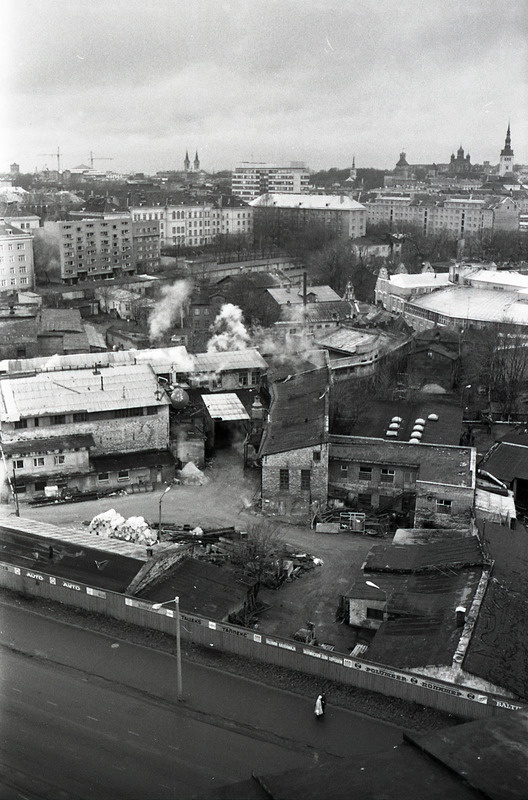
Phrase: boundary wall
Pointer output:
(246, 643)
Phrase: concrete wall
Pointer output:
(426, 512)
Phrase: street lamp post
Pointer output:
(375, 586)
(156, 607)
(159, 515)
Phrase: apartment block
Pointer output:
(458, 215)
(16, 258)
(251, 179)
(95, 247)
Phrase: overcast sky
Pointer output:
(319, 81)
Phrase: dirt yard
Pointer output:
(225, 500)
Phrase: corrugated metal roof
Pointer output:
(227, 407)
(79, 390)
(162, 359)
(67, 320)
(229, 360)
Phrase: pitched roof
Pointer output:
(294, 295)
(320, 202)
(47, 444)
(318, 312)
(228, 360)
(79, 390)
(298, 413)
(64, 320)
(140, 459)
(507, 461)
(452, 554)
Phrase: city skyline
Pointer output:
(318, 82)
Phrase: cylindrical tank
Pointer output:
(179, 398)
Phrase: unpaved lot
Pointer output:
(225, 500)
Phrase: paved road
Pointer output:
(96, 717)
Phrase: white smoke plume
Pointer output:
(278, 346)
(229, 331)
(168, 309)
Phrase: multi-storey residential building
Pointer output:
(16, 258)
(194, 224)
(250, 180)
(345, 217)
(146, 245)
(458, 215)
(97, 247)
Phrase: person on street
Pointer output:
(320, 704)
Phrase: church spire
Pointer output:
(187, 162)
(506, 155)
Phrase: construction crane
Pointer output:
(56, 155)
(99, 158)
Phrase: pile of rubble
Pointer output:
(114, 526)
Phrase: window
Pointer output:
(40, 486)
(21, 423)
(243, 378)
(365, 473)
(123, 475)
(387, 475)
(20, 489)
(102, 477)
(59, 460)
(80, 416)
(284, 479)
(316, 455)
(151, 411)
(375, 613)
(344, 470)
(38, 462)
(18, 463)
(128, 412)
(443, 506)
(305, 480)
(58, 419)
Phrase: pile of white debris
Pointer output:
(191, 474)
(114, 526)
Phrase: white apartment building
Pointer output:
(95, 247)
(16, 258)
(251, 179)
(458, 215)
(198, 223)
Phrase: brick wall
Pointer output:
(430, 498)
(295, 461)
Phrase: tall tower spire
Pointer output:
(506, 155)
(196, 162)
(187, 162)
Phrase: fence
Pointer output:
(326, 665)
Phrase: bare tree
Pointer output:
(259, 553)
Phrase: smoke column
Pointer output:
(168, 308)
(229, 331)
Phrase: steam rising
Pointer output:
(168, 308)
(229, 331)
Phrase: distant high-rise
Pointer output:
(250, 180)
(506, 156)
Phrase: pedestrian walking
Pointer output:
(320, 704)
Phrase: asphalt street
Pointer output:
(97, 717)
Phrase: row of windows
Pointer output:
(38, 461)
(82, 416)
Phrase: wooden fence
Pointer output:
(246, 643)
